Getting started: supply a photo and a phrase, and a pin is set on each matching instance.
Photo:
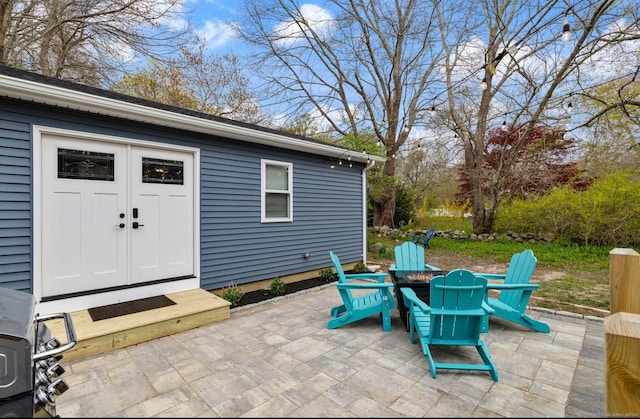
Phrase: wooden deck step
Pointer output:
(193, 308)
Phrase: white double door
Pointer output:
(107, 224)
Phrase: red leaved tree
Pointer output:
(517, 168)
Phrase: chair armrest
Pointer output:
(526, 287)
(411, 299)
(470, 312)
(491, 276)
(372, 276)
(365, 285)
(426, 267)
(487, 308)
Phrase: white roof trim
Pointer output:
(61, 97)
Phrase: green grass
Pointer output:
(549, 254)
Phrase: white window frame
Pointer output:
(263, 192)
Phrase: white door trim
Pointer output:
(93, 300)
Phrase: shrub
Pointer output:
(360, 268)
(232, 294)
(327, 274)
(277, 286)
(606, 214)
(386, 252)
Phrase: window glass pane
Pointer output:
(277, 178)
(162, 171)
(277, 205)
(89, 165)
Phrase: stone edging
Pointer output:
(566, 314)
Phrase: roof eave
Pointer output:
(66, 98)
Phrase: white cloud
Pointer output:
(616, 60)
(315, 17)
(216, 33)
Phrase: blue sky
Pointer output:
(211, 21)
(210, 18)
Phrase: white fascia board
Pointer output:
(66, 98)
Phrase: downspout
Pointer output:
(364, 210)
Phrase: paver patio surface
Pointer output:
(278, 359)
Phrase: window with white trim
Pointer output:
(277, 191)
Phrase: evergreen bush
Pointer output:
(327, 274)
(232, 294)
(277, 286)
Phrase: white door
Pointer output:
(162, 207)
(89, 192)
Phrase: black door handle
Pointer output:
(136, 225)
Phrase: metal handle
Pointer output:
(136, 225)
(71, 335)
(121, 225)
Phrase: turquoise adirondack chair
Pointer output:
(372, 296)
(453, 317)
(515, 291)
(410, 257)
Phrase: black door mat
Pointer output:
(129, 307)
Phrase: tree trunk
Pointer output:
(384, 199)
(6, 7)
(385, 211)
(477, 202)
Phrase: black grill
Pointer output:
(30, 370)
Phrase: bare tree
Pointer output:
(361, 65)
(87, 40)
(195, 80)
(159, 82)
(221, 86)
(428, 172)
(529, 75)
(383, 65)
(613, 110)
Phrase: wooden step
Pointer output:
(193, 308)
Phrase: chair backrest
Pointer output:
(456, 306)
(520, 270)
(427, 237)
(409, 257)
(338, 266)
(429, 234)
(341, 276)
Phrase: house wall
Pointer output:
(235, 245)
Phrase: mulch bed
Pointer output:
(261, 295)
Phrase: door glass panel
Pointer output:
(162, 171)
(87, 165)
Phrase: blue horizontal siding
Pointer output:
(327, 215)
(13, 268)
(235, 244)
(15, 204)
